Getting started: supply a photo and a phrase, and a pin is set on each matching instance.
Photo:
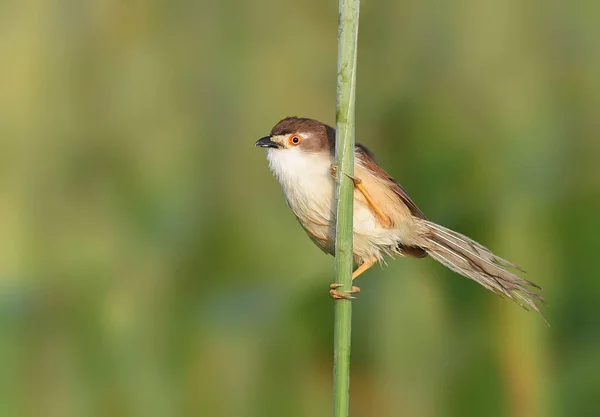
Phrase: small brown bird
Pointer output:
(386, 221)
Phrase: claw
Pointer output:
(342, 295)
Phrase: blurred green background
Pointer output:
(150, 267)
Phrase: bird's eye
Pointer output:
(295, 140)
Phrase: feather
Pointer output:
(473, 260)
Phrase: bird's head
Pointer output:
(299, 135)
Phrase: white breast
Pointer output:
(306, 181)
(309, 190)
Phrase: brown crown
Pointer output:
(299, 124)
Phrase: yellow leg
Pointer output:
(347, 295)
(382, 216)
(362, 268)
(385, 220)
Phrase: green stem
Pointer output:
(344, 151)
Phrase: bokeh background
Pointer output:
(150, 267)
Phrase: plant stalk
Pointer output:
(344, 153)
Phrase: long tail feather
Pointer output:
(473, 260)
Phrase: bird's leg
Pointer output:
(362, 268)
(385, 220)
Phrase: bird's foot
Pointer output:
(333, 169)
(335, 294)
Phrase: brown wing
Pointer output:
(368, 161)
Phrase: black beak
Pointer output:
(266, 142)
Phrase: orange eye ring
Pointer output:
(295, 140)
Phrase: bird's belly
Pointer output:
(371, 238)
(316, 212)
(313, 206)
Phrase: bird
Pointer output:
(386, 221)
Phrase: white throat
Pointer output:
(305, 178)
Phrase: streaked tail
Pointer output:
(473, 260)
